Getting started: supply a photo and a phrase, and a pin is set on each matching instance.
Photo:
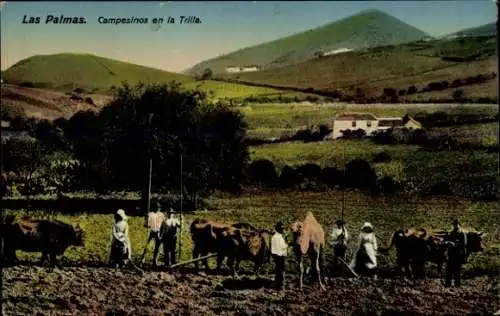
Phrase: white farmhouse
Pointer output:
(367, 122)
(233, 69)
(370, 123)
(250, 68)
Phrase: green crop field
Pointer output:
(290, 116)
(264, 209)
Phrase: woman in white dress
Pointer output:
(120, 239)
(365, 260)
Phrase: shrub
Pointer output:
(262, 172)
(307, 174)
(381, 157)
(402, 92)
(456, 83)
(458, 95)
(287, 177)
(387, 185)
(79, 90)
(359, 174)
(331, 176)
(412, 90)
(27, 84)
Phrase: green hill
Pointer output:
(370, 71)
(489, 29)
(366, 29)
(67, 71)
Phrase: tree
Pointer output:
(262, 172)
(207, 74)
(23, 157)
(161, 121)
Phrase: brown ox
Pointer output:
(308, 240)
(231, 243)
(50, 237)
(245, 244)
(415, 248)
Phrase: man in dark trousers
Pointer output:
(457, 250)
(168, 235)
(155, 219)
(279, 249)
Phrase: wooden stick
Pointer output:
(349, 268)
(193, 260)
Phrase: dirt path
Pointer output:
(101, 291)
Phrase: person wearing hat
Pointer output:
(365, 260)
(279, 249)
(120, 239)
(168, 235)
(339, 237)
(457, 243)
(155, 218)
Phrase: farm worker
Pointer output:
(279, 250)
(168, 235)
(120, 238)
(339, 237)
(457, 242)
(365, 259)
(155, 218)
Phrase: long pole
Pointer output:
(344, 182)
(147, 192)
(181, 209)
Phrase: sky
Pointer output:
(225, 27)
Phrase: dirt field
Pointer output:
(32, 290)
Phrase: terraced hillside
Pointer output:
(369, 72)
(369, 28)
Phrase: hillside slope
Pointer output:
(392, 66)
(366, 29)
(67, 71)
(489, 29)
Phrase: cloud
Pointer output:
(162, 4)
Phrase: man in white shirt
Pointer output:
(155, 218)
(279, 249)
(168, 235)
(339, 237)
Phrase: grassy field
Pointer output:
(365, 29)
(291, 116)
(486, 134)
(263, 210)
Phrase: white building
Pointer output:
(337, 51)
(370, 123)
(250, 68)
(233, 69)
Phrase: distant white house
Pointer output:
(370, 123)
(233, 69)
(250, 68)
(337, 51)
(242, 69)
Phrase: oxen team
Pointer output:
(237, 242)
